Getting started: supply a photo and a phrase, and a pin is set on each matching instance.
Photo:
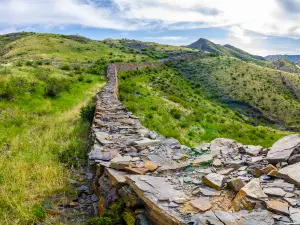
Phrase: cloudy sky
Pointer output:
(259, 26)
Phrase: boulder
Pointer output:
(236, 184)
(224, 146)
(203, 159)
(282, 149)
(291, 173)
(278, 207)
(253, 150)
(254, 190)
(213, 180)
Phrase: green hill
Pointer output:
(270, 94)
(286, 65)
(228, 50)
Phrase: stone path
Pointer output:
(163, 182)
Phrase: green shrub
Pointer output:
(65, 67)
(28, 63)
(87, 112)
(55, 86)
(176, 113)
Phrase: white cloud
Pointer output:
(266, 17)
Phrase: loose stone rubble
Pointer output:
(163, 182)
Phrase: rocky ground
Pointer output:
(163, 182)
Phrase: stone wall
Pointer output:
(162, 182)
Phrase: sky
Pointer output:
(261, 27)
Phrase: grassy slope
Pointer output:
(274, 93)
(44, 81)
(170, 105)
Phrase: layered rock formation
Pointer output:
(163, 182)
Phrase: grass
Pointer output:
(273, 93)
(167, 103)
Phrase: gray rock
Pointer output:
(275, 192)
(224, 146)
(227, 218)
(295, 215)
(284, 148)
(213, 180)
(291, 174)
(292, 201)
(207, 191)
(255, 218)
(206, 218)
(146, 142)
(83, 188)
(254, 190)
(294, 159)
(187, 179)
(253, 150)
(236, 184)
(278, 207)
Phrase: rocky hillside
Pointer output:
(291, 58)
(286, 65)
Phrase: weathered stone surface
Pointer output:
(278, 207)
(225, 171)
(223, 146)
(283, 148)
(253, 150)
(202, 204)
(291, 173)
(236, 184)
(295, 215)
(268, 169)
(146, 142)
(217, 163)
(117, 178)
(206, 218)
(137, 170)
(214, 180)
(103, 138)
(274, 191)
(207, 191)
(293, 201)
(254, 190)
(207, 158)
(256, 218)
(294, 159)
(227, 218)
(150, 165)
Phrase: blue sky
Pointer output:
(258, 26)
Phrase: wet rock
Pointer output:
(236, 184)
(284, 148)
(254, 190)
(291, 173)
(275, 192)
(278, 207)
(202, 204)
(213, 180)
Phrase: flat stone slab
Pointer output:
(283, 148)
(116, 177)
(153, 190)
(146, 142)
(207, 158)
(274, 191)
(278, 207)
(202, 204)
(291, 173)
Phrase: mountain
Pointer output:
(292, 58)
(227, 50)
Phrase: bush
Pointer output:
(87, 112)
(55, 86)
(65, 67)
(176, 113)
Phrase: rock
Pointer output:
(257, 159)
(291, 173)
(226, 171)
(209, 191)
(292, 201)
(102, 138)
(236, 184)
(173, 205)
(205, 218)
(203, 159)
(268, 169)
(202, 204)
(83, 188)
(254, 190)
(224, 146)
(140, 170)
(213, 180)
(256, 218)
(275, 192)
(242, 173)
(278, 207)
(253, 150)
(294, 159)
(95, 155)
(295, 215)
(116, 177)
(146, 142)
(217, 163)
(143, 219)
(187, 179)
(227, 218)
(284, 148)
(150, 165)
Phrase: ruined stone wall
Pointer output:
(161, 185)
